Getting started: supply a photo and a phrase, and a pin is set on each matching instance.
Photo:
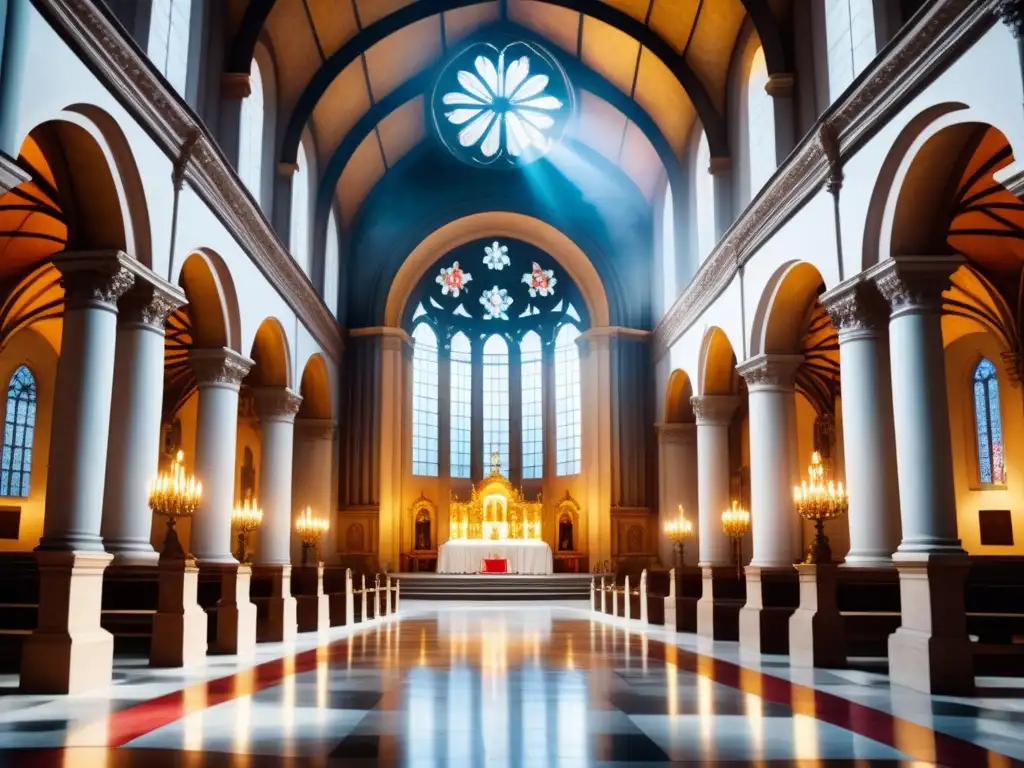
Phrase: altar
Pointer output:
(496, 524)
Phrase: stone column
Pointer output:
(869, 441)
(394, 346)
(134, 441)
(69, 652)
(219, 373)
(312, 481)
(596, 406)
(714, 414)
(677, 473)
(930, 651)
(277, 407)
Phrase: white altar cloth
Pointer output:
(523, 555)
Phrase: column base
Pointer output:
(867, 560)
(236, 615)
(931, 652)
(722, 597)
(131, 552)
(179, 626)
(772, 596)
(69, 652)
(817, 637)
(279, 622)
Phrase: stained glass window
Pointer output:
(988, 422)
(461, 405)
(19, 431)
(424, 401)
(496, 400)
(533, 411)
(567, 401)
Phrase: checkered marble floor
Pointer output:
(513, 684)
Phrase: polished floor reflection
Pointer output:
(510, 685)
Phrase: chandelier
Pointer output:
(172, 495)
(819, 501)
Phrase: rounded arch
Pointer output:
(716, 366)
(212, 300)
(500, 224)
(97, 180)
(315, 388)
(678, 409)
(781, 316)
(271, 355)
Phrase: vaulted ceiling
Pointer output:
(354, 74)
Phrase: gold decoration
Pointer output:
(172, 495)
(311, 528)
(819, 501)
(678, 531)
(246, 517)
(496, 510)
(736, 523)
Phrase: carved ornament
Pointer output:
(914, 283)
(714, 409)
(770, 371)
(856, 305)
(150, 303)
(277, 403)
(219, 367)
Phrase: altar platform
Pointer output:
(498, 588)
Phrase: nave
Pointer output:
(516, 684)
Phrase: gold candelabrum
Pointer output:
(818, 501)
(174, 494)
(311, 528)
(736, 523)
(246, 517)
(678, 531)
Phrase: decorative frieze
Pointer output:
(277, 403)
(770, 371)
(219, 367)
(914, 283)
(714, 409)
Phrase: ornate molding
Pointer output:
(856, 306)
(89, 30)
(914, 283)
(829, 141)
(713, 410)
(921, 49)
(219, 367)
(96, 278)
(1011, 13)
(770, 371)
(277, 403)
(150, 302)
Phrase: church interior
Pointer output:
(526, 382)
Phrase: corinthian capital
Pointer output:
(95, 278)
(150, 302)
(914, 283)
(770, 371)
(277, 403)
(856, 307)
(713, 410)
(219, 367)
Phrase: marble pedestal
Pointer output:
(69, 652)
(772, 596)
(236, 615)
(179, 626)
(817, 637)
(931, 651)
(280, 624)
(313, 608)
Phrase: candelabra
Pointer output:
(819, 501)
(678, 531)
(736, 523)
(246, 517)
(310, 528)
(174, 494)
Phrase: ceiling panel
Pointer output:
(635, 8)
(672, 20)
(664, 99)
(559, 25)
(402, 130)
(710, 51)
(296, 57)
(335, 23)
(398, 57)
(640, 162)
(610, 52)
(365, 168)
(343, 103)
(600, 126)
(462, 22)
(375, 10)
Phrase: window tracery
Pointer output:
(988, 424)
(19, 434)
(424, 401)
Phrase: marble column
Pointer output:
(869, 442)
(313, 481)
(219, 373)
(395, 347)
(596, 407)
(714, 414)
(134, 440)
(930, 651)
(69, 651)
(677, 473)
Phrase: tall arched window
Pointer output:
(19, 431)
(704, 189)
(331, 258)
(496, 400)
(567, 401)
(760, 124)
(850, 41)
(668, 282)
(533, 406)
(300, 211)
(989, 424)
(250, 135)
(169, 22)
(461, 375)
(424, 401)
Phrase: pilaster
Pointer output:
(714, 414)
